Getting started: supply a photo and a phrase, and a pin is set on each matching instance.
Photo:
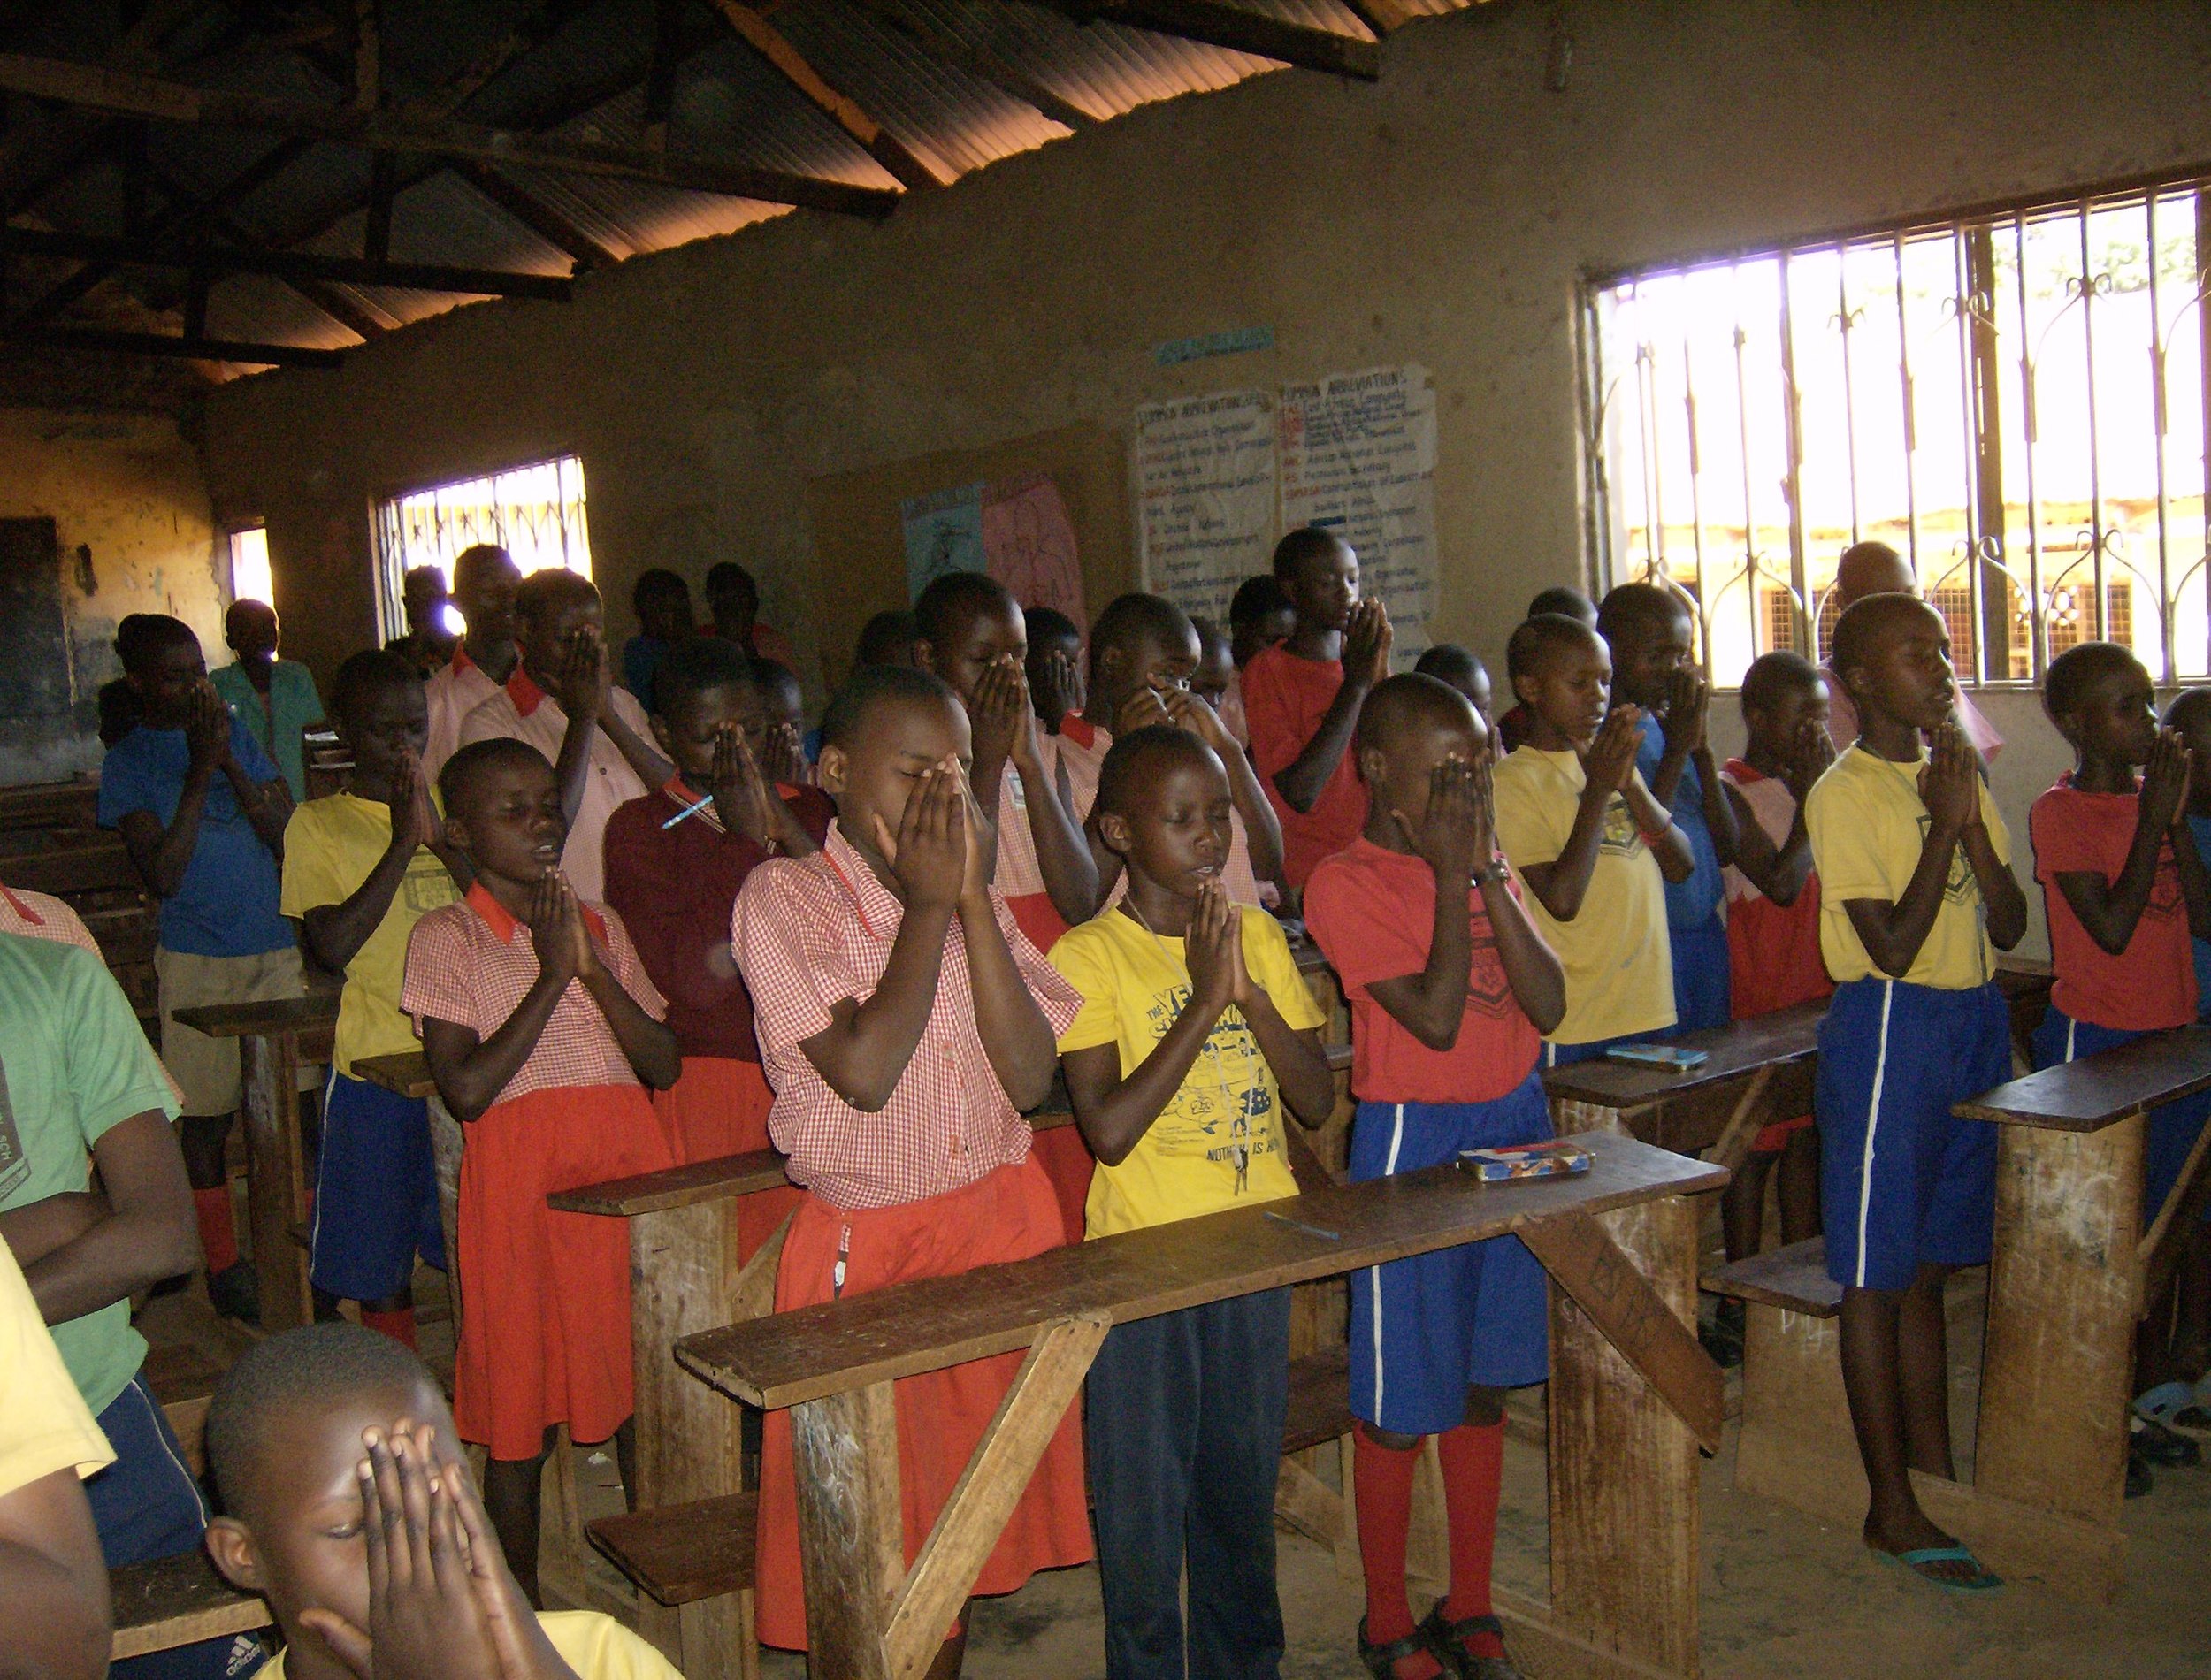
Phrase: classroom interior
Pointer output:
(1069, 218)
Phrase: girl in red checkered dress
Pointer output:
(539, 1024)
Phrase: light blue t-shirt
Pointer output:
(293, 703)
(1691, 902)
(226, 905)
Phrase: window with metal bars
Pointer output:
(535, 513)
(2014, 401)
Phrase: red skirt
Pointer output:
(1068, 1162)
(1011, 1215)
(720, 1107)
(545, 1337)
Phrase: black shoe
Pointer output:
(1381, 1660)
(236, 1292)
(2167, 1448)
(2139, 1481)
(1448, 1640)
(1723, 1338)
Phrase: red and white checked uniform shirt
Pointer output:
(809, 933)
(451, 694)
(35, 915)
(1019, 874)
(1083, 750)
(473, 964)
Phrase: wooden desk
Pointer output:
(2072, 1273)
(275, 1036)
(1631, 1394)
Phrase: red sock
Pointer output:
(1474, 1467)
(399, 1325)
(1383, 1491)
(218, 1233)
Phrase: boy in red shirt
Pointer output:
(1774, 926)
(905, 1022)
(2126, 892)
(1450, 988)
(1302, 698)
(674, 878)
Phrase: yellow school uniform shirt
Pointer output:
(597, 1646)
(1219, 1143)
(1620, 968)
(44, 1424)
(331, 846)
(1867, 823)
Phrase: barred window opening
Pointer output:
(536, 513)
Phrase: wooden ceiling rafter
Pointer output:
(986, 60)
(346, 270)
(1216, 23)
(193, 349)
(551, 225)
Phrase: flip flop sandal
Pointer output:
(1381, 1660)
(1914, 1562)
(1448, 1640)
(2162, 1403)
(2166, 1448)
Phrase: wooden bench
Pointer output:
(1631, 1394)
(687, 1558)
(1795, 1417)
(276, 1037)
(177, 1601)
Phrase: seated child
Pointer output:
(905, 1022)
(540, 1027)
(202, 810)
(1302, 696)
(1593, 847)
(2124, 889)
(1260, 617)
(361, 868)
(1449, 662)
(275, 699)
(1055, 664)
(1567, 603)
(675, 888)
(1449, 986)
(1773, 924)
(1196, 1029)
(1215, 681)
(1915, 885)
(349, 1506)
(561, 700)
(484, 579)
(661, 602)
(974, 638)
(1653, 640)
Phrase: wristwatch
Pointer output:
(1484, 873)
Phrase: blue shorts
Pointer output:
(1423, 1330)
(1901, 1182)
(146, 1506)
(2172, 1130)
(1701, 994)
(376, 1193)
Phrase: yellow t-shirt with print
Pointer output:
(44, 1424)
(1620, 968)
(1867, 824)
(331, 846)
(597, 1646)
(1219, 1143)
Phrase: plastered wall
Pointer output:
(130, 505)
(1441, 216)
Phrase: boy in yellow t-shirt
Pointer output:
(361, 868)
(1195, 1030)
(1916, 896)
(349, 1508)
(1594, 846)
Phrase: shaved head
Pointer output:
(1871, 568)
(1408, 701)
(1865, 623)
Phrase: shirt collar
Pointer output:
(684, 797)
(22, 909)
(462, 662)
(1079, 730)
(502, 924)
(526, 695)
(878, 907)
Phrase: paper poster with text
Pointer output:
(1203, 469)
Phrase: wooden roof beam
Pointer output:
(348, 271)
(535, 214)
(1218, 24)
(126, 95)
(325, 298)
(885, 148)
(983, 60)
(273, 355)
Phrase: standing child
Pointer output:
(275, 697)
(424, 601)
(1260, 617)
(1449, 662)
(2189, 716)
(1216, 682)
(202, 810)
(1054, 665)
(776, 725)
(484, 579)
(1450, 986)
(1774, 925)
(675, 886)
(1653, 640)
(973, 637)
(1567, 603)
(1916, 896)
(539, 1025)
(1593, 845)
(661, 602)
(905, 1022)
(1302, 696)
(1196, 1029)
(361, 868)
(2124, 887)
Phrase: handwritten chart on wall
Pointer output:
(1218, 479)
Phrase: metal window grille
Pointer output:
(2015, 401)
(535, 513)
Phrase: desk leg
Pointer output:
(851, 1537)
(445, 1154)
(1623, 1521)
(2061, 1302)
(275, 1182)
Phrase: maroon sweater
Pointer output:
(674, 889)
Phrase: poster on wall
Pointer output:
(1357, 454)
(1205, 476)
(944, 533)
(1015, 529)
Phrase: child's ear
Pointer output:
(829, 770)
(1113, 829)
(1524, 688)
(660, 735)
(1106, 665)
(1374, 765)
(456, 833)
(237, 1558)
(925, 656)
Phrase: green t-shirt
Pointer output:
(276, 722)
(73, 1063)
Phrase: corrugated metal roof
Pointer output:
(945, 78)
